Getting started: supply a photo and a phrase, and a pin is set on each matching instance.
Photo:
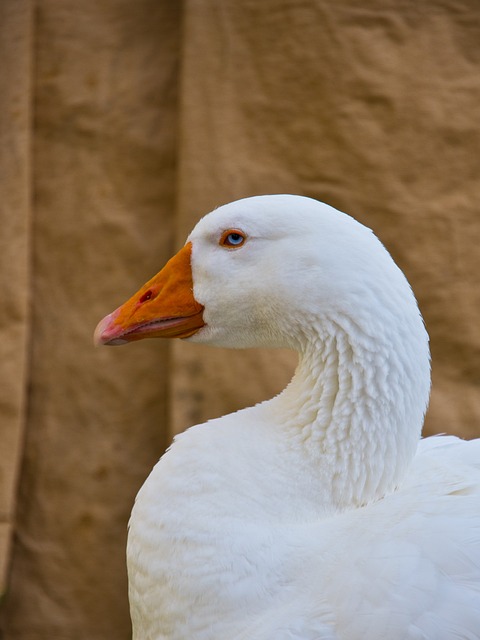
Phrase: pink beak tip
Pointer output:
(106, 332)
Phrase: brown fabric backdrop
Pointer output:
(120, 124)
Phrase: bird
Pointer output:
(320, 514)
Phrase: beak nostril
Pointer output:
(148, 295)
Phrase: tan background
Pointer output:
(120, 124)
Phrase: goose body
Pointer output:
(319, 514)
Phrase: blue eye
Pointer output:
(232, 238)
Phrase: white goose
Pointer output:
(319, 514)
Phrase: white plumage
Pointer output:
(319, 514)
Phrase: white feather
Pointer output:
(318, 515)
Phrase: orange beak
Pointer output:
(163, 308)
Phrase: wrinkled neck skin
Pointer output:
(354, 411)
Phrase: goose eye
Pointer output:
(232, 239)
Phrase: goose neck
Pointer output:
(354, 410)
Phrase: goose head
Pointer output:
(271, 271)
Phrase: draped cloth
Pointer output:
(121, 123)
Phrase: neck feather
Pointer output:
(356, 404)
